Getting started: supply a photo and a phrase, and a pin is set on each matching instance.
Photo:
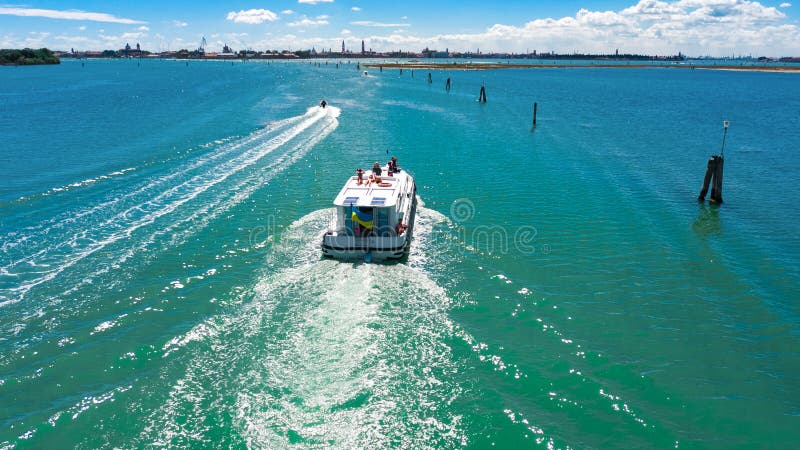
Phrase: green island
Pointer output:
(27, 57)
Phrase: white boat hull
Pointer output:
(367, 217)
(350, 247)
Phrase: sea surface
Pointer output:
(161, 283)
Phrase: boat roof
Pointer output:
(374, 195)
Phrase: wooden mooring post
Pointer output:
(714, 172)
(447, 85)
(482, 95)
(534, 114)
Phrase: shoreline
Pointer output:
(489, 66)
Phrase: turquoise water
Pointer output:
(161, 282)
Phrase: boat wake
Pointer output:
(144, 207)
(326, 353)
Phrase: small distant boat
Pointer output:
(366, 74)
(373, 221)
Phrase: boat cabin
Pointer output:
(373, 208)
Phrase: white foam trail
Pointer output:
(205, 160)
(327, 353)
(213, 208)
(122, 224)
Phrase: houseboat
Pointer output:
(374, 216)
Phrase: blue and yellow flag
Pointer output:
(362, 218)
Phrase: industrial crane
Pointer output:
(202, 49)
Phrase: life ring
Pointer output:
(384, 184)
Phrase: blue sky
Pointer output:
(694, 27)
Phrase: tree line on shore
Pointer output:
(27, 57)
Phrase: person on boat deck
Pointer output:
(393, 165)
(400, 228)
(376, 169)
(360, 174)
(373, 179)
(323, 103)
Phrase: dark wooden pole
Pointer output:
(714, 172)
(716, 185)
(710, 168)
(430, 78)
(447, 85)
(534, 114)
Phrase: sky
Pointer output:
(693, 27)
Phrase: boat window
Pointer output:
(349, 226)
(350, 200)
(382, 225)
(378, 201)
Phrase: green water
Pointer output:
(161, 283)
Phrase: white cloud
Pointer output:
(355, 8)
(306, 22)
(252, 16)
(786, 5)
(67, 15)
(132, 35)
(322, 17)
(179, 24)
(143, 28)
(698, 27)
(72, 40)
(82, 28)
(663, 27)
(287, 12)
(369, 23)
(314, 2)
(404, 18)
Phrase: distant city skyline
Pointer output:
(693, 27)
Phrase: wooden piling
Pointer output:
(447, 85)
(716, 186)
(430, 78)
(534, 114)
(710, 168)
(482, 95)
(714, 171)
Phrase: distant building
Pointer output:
(342, 45)
(129, 52)
(428, 53)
